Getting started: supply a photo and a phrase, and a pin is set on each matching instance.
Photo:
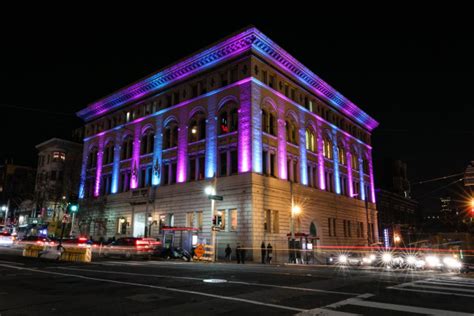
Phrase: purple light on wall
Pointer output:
(211, 138)
(98, 174)
(157, 152)
(256, 125)
(361, 179)
(85, 154)
(182, 153)
(322, 180)
(349, 172)
(282, 167)
(135, 164)
(245, 130)
(302, 147)
(371, 173)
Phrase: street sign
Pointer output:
(199, 251)
(216, 197)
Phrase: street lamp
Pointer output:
(5, 209)
(210, 190)
(396, 239)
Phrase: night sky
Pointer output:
(417, 82)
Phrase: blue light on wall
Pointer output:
(337, 180)
(303, 157)
(361, 177)
(211, 138)
(158, 152)
(256, 126)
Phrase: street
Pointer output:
(120, 287)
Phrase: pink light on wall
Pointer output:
(322, 180)
(98, 174)
(135, 158)
(371, 173)
(182, 154)
(282, 171)
(349, 172)
(245, 130)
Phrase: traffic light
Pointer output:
(73, 207)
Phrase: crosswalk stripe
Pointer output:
(427, 291)
(441, 286)
(444, 288)
(445, 283)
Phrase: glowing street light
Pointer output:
(209, 190)
(396, 239)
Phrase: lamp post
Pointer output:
(5, 209)
(295, 210)
(210, 190)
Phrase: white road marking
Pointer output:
(201, 279)
(426, 291)
(406, 308)
(12, 262)
(444, 283)
(228, 298)
(324, 312)
(443, 288)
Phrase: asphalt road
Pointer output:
(120, 287)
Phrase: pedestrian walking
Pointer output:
(269, 253)
(228, 252)
(264, 251)
(238, 253)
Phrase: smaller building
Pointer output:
(57, 180)
(398, 212)
(16, 186)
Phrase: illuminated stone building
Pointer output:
(246, 111)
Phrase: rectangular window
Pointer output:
(173, 173)
(295, 172)
(233, 219)
(223, 164)
(234, 162)
(288, 168)
(344, 227)
(330, 227)
(272, 81)
(220, 220)
(272, 165)
(199, 220)
(264, 77)
(267, 221)
(349, 232)
(334, 231)
(192, 169)
(264, 162)
(190, 219)
(275, 222)
(201, 168)
(165, 175)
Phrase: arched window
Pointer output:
(341, 154)
(92, 159)
(268, 122)
(355, 164)
(127, 147)
(147, 142)
(291, 132)
(170, 135)
(197, 127)
(108, 153)
(310, 140)
(228, 118)
(312, 230)
(327, 148)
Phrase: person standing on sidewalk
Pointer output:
(228, 252)
(269, 253)
(263, 252)
(238, 252)
(242, 254)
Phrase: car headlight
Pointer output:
(386, 257)
(411, 260)
(432, 261)
(452, 263)
(342, 259)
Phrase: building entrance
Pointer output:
(139, 225)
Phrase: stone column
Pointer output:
(362, 193)
(211, 139)
(116, 165)
(303, 156)
(135, 163)
(245, 129)
(322, 180)
(182, 164)
(82, 183)
(337, 184)
(371, 175)
(98, 169)
(281, 130)
(349, 170)
(157, 152)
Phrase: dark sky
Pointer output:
(416, 81)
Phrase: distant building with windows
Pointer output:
(16, 186)
(248, 113)
(57, 179)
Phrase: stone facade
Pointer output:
(249, 113)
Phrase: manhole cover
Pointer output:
(214, 281)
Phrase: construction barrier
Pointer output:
(203, 253)
(33, 250)
(76, 254)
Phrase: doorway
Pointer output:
(139, 225)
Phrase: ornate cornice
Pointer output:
(248, 40)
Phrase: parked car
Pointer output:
(36, 240)
(175, 253)
(129, 247)
(6, 239)
(75, 242)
